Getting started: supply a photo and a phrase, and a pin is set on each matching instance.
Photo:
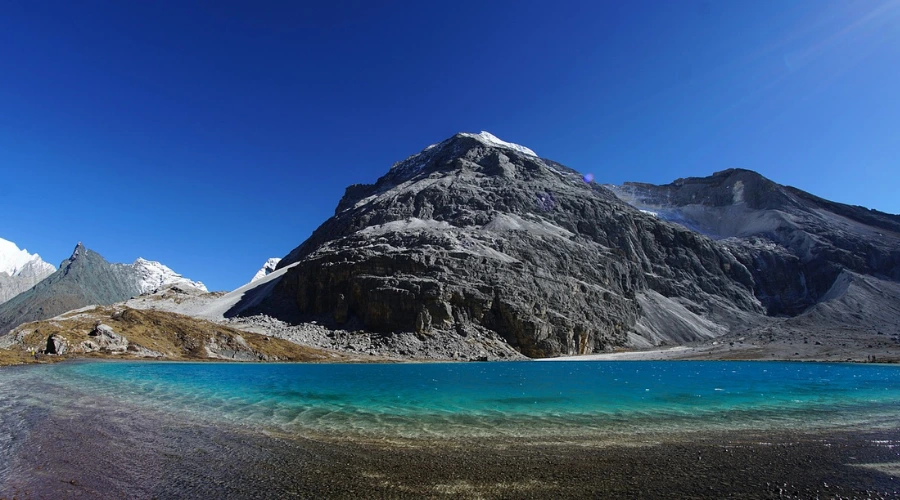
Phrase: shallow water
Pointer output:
(145, 430)
(479, 399)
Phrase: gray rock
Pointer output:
(56, 345)
(107, 340)
(794, 244)
(231, 347)
(89, 346)
(468, 239)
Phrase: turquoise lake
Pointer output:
(524, 399)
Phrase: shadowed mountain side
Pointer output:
(795, 244)
(254, 298)
(858, 302)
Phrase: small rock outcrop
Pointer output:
(56, 345)
(104, 339)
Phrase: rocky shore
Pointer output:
(151, 457)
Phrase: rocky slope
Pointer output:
(795, 244)
(475, 237)
(120, 332)
(19, 270)
(84, 279)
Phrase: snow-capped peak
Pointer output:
(403, 170)
(490, 139)
(13, 260)
(154, 275)
(267, 269)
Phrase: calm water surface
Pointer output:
(471, 399)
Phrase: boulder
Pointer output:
(108, 340)
(56, 345)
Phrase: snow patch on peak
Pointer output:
(406, 169)
(267, 269)
(490, 139)
(154, 275)
(13, 260)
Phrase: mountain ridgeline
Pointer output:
(795, 244)
(474, 236)
(83, 279)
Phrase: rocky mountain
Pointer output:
(795, 245)
(19, 270)
(481, 239)
(266, 269)
(85, 279)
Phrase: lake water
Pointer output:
(215, 430)
(476, 399)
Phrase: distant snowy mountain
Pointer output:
(19, 270)
(267, 269)
(152, 276)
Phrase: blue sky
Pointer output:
(211, 136)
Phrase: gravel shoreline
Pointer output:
(118, 455)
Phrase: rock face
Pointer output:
(475, 235)
(795, 244)
(469, 235)
(85, 279)
(57, 345)
(103, 338)
(19, 270)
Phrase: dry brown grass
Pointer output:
(14, 357)
(175, 336)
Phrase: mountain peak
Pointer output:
(454, 146)
(19, 270)
(79, 250)
(489, 139)
(153, 275)
(266, 269)
(13, 260)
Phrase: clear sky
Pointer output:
(211, 136)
